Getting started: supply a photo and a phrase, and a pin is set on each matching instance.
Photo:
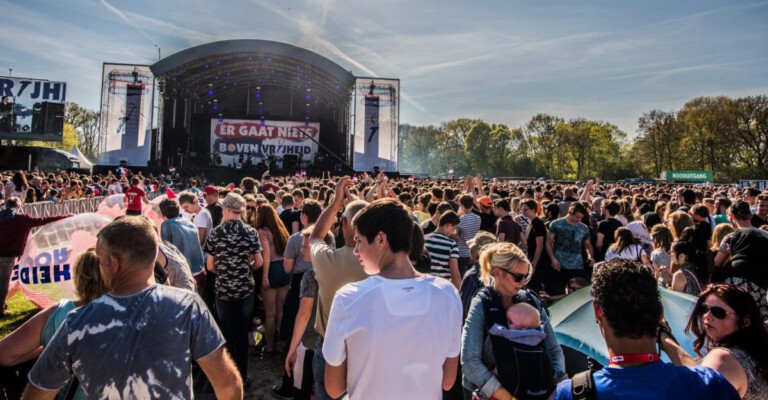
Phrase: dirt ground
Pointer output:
(263, 371)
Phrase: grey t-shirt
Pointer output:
(293, 251)
(140, 346)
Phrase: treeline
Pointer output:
(720, 134)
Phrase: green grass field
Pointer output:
(21, 310)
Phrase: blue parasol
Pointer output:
(573, 320)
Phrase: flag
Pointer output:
(450, 171)
(303, 172)
(154, 188)
(169, 193)
(410, 178)
(171, 169)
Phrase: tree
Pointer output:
(547, 143)
(706, 124)
(68, 139)
(751, 133)
(453, 154)
(478, 147)
(659, 139)
(419, 153)
(86, 123)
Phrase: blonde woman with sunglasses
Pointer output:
(505, 270)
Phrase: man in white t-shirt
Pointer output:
(203, 221)
(114, 187)
(201, 217)
(409, 347)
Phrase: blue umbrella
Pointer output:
(573, 321)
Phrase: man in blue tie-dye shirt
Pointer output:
(139, 340)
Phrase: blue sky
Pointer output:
(499, 60)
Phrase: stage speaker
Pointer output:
(38, 118)
(48, 117)
(290, 161)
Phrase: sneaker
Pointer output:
(281, 392)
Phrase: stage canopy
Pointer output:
(250, 80)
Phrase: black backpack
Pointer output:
(525, 371)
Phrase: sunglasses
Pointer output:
(517, 277)
(717, 312)
(250, 208)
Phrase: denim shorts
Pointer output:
(277, 275)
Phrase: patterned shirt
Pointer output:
(231, 245)
(569, 241)
(139, 346)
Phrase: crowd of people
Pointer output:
(373, 287)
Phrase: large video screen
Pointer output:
(242, 142)
(32, 109)
(126, 115)
(377, 117)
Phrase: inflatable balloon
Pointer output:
(112, 206)
(45, 270)
(152, 210)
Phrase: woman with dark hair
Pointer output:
(625, 246)
(727, 324)
(686, 275)
(30, 196)
(17, 187)
(551, 213)
(275, 281)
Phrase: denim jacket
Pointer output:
(477, 356)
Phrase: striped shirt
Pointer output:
(469, 225)
(441, 249)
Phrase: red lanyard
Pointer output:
(634, 358)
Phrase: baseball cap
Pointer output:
(485, 201)
(210, 189)
(234, 202)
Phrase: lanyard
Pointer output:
(634, 358)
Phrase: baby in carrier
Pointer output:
(522, 363)
(522, 316)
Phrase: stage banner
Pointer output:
(32, 109)
(376, 123)
(126, 114)
(236, 139)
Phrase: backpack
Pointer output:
(583, 386)
(525, 371)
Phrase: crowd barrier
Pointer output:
(49, 209)
(80, 206)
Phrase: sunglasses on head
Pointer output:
(717, 312)
(517, 277)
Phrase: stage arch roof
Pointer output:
(213, 69)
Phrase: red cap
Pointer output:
(210, 189)
(485, 201)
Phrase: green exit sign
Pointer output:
(687, 176)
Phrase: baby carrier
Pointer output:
(524, 370)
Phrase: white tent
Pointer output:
(84, 163)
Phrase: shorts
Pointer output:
(277, 275)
